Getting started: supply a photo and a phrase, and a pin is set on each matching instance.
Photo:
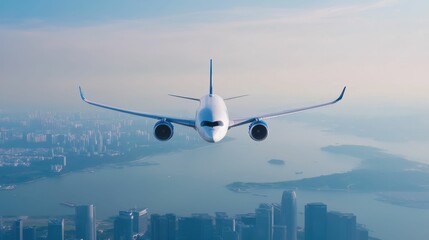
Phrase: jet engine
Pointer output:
(163, 130)
(258, 130)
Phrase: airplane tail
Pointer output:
(211, 78)
(210, 90)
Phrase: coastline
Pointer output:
(79, 163)
(391, 178)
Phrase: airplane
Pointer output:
(211, 119)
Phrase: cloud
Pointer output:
(299, 55)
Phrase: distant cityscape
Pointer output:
(268, 222)
(36, 145)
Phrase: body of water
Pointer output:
(193, 181)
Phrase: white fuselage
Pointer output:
(212, 120)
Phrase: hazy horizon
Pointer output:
(282, 54)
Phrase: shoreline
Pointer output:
(123, 160)
(386, 176)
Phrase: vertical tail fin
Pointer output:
(211, 78)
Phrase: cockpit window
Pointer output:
(211, 124)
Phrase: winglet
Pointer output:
(211, 78)
(81, 94)
(341, 95)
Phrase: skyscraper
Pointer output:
(100, 143)
(300, 234)
(17, 230)
(56, 229)
(85, 222)
(361, 233)
(123, 226)
(341, 226)
(264, 222)
(246, 232)
(277, 211)
(246, 226)
(29, 233)
(140, 220)
(163, 227)
(224, 227)
(315, 221)
(279, 232)
(196, 227)
(289, 213)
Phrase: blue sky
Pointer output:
(84, 12)
(102, 10)
(131, 52)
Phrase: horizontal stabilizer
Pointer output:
(184, 97)
(230, 98)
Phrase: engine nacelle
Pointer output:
(258, 130)
(163, 130)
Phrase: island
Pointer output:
(379, 172)
(276, 162)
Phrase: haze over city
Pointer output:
(55, 149)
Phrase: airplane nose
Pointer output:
(210, 136)
(214, 136)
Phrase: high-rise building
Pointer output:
(196, 227)
(300, 234)
(224, 227)
(59, 160)
(123, 226)
(18, 230)
(246, 226)
(264, 222)
(56, 229)
(289, 213)
(279, 232)
(247, 219)
(85, 222)
(29, 233)
(163, 227)
(341, 226)
(361, 233)
(277, 211)
(315, 221)
(246, 232)
(100, 143)
(140, 220)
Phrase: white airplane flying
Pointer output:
(211, 120)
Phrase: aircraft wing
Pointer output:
(238, 122)
(184, 122)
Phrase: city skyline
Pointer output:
(259, 225)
